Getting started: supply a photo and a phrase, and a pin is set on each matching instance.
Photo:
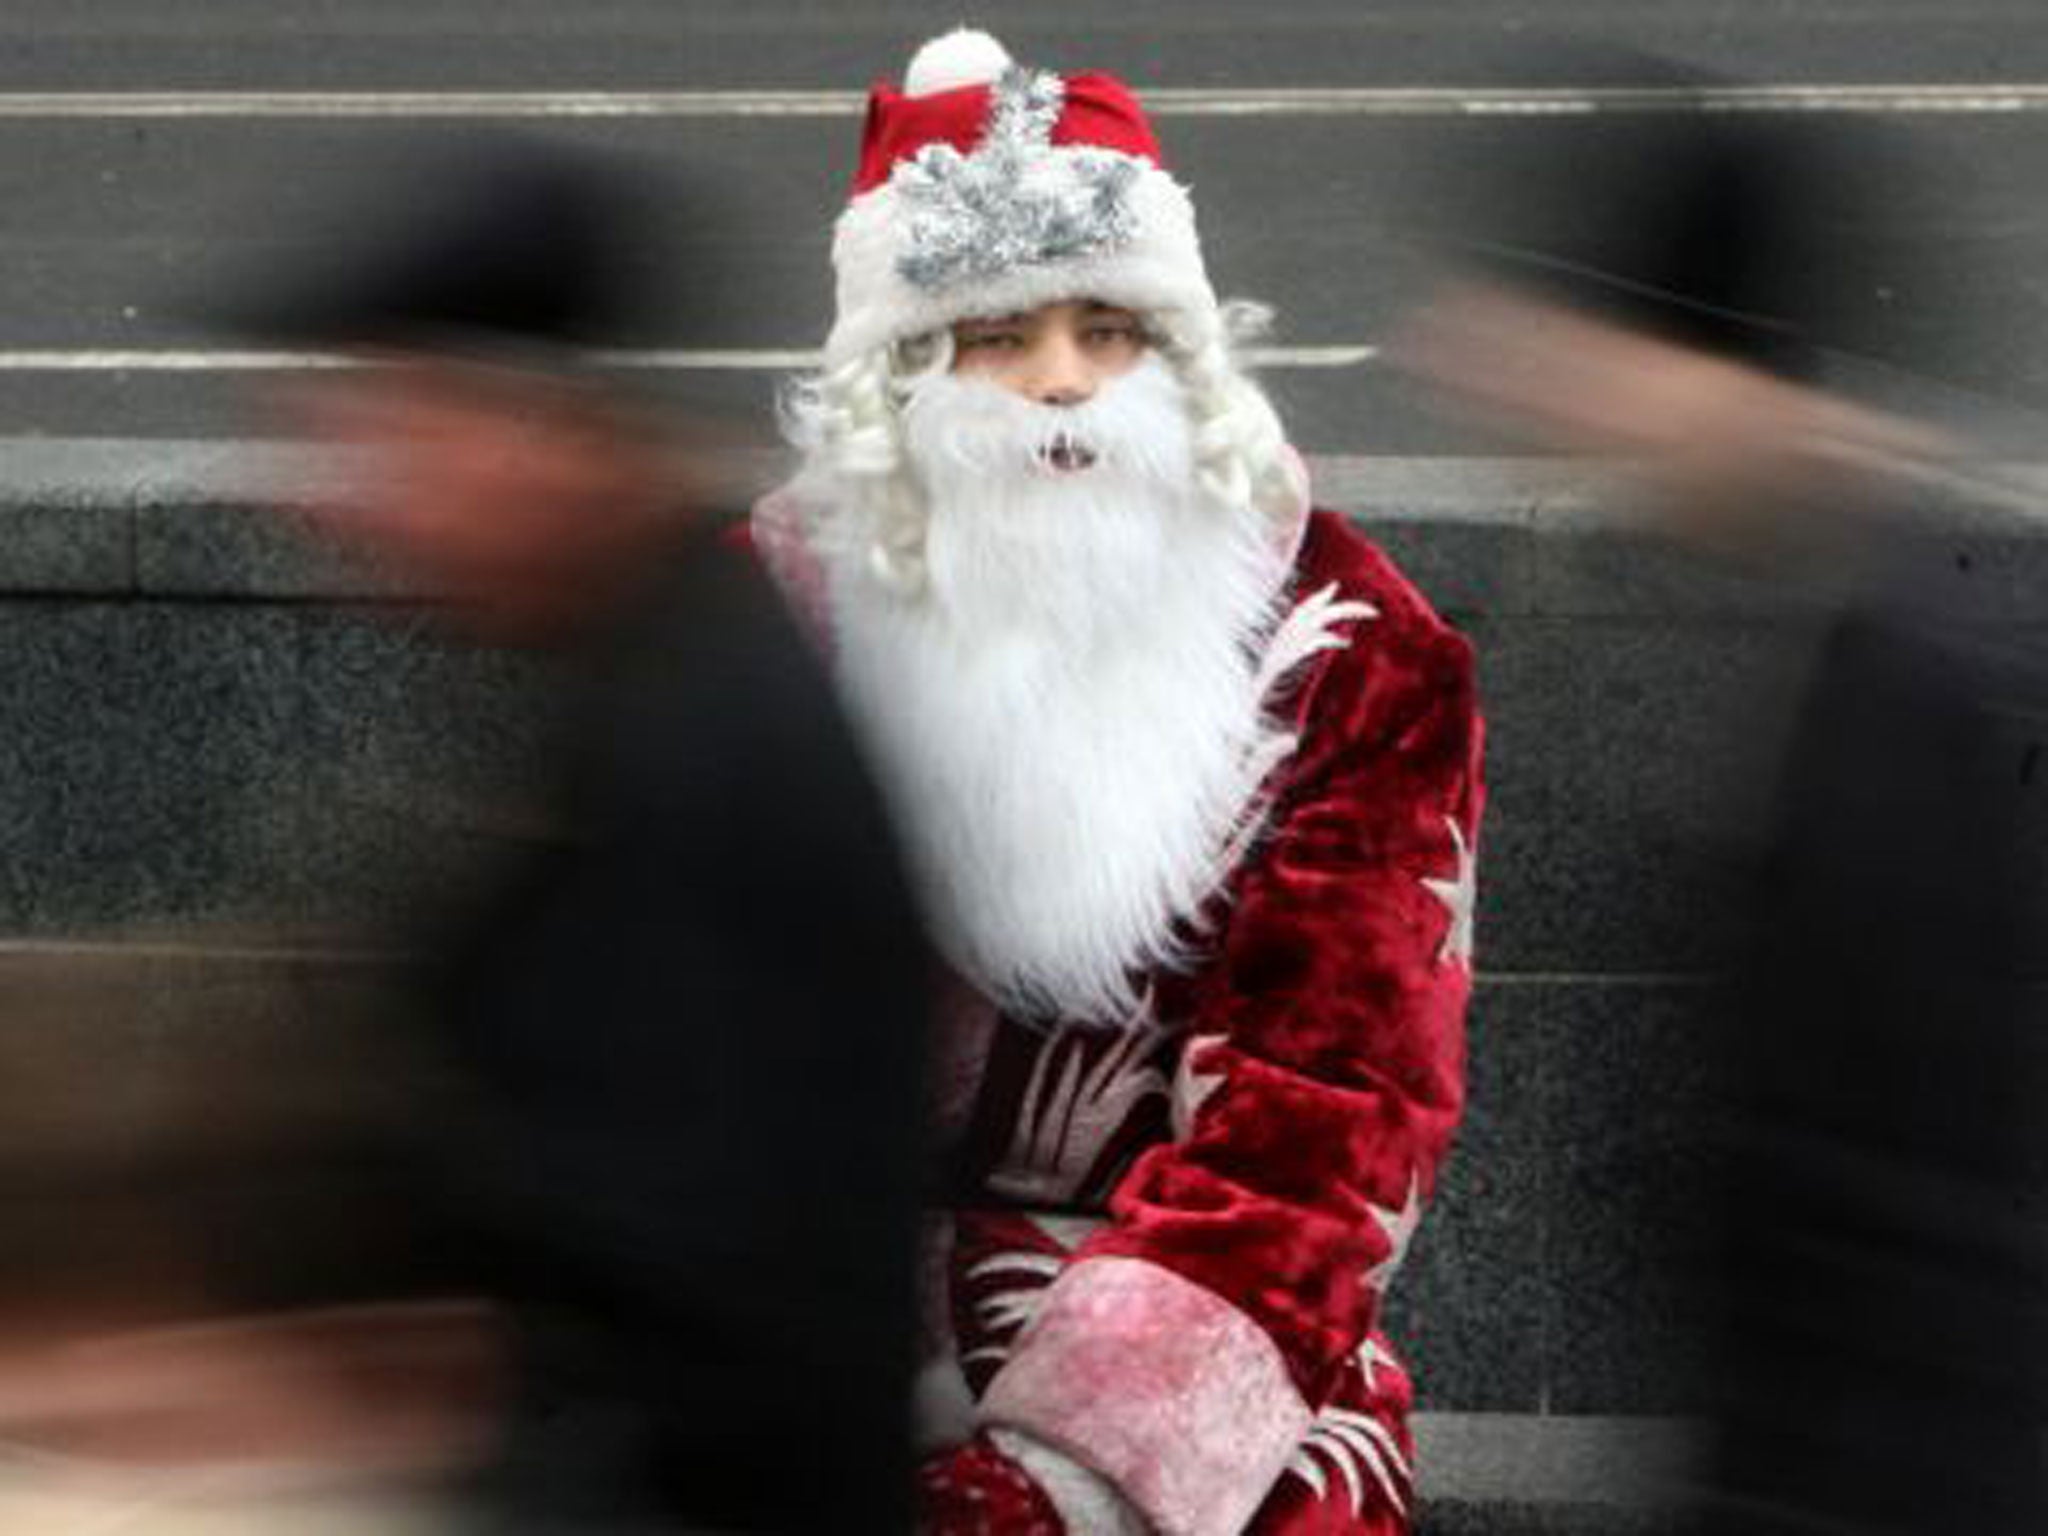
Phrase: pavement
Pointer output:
(150, 150)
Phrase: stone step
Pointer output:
(209, 712)
(1502, 537)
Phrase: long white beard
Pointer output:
(1067, 714)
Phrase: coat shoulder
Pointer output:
(1335, 553)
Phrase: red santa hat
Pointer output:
(986, 188)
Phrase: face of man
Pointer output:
(504, 491)
(1057, 354)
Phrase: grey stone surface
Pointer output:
(1518, 1518)
(1462, 568)
(146, 760)
(1989, 567)
(111, 254)
(277, 763)
(1640, 1075)
(1463, 531)
(1974, 543)
(419, 750)
(64, 524)
(235, 549)
(1592, 563)
(1634, 1462)
(1518, 536)
(1627, 752)
(1562, 1267)
(1630, 752)
(470, 45)
(48, 546)
(1467, 1311)
(1569, 538)
(1630, 764)
(244, 520)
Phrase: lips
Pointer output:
(1067, 456)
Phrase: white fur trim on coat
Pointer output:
(1087, 1501)
(1160, 1385)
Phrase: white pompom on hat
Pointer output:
(959, 58)
(986, 188)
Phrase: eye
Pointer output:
(1115, 333)
(988, 341)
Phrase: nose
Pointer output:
(1061, 373)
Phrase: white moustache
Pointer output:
(1135, 426)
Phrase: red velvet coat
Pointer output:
(1172, 1242)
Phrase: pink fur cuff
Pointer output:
(1160, 1385)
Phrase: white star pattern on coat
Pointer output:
(1309, 628)
(1370, 1356)
(1010, 1312)
(1065, 1123)
(1400, 1229)
(1353, 1443)
(1191, 1089)
(1459, 894)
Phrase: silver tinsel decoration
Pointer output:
(975, 217)
(1024, 108)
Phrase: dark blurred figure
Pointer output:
(1672, 296)
(691, 1012)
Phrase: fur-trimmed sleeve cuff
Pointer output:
(1160, 1385)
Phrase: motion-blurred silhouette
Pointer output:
(1680, 296)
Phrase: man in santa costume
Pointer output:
(1190, 774)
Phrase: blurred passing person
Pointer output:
(669, 1204)
(1675, 299)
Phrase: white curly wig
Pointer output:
(855, 483)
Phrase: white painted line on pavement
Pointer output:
(683, 360)
(54, 361)
(1434, 101)
(214, 360)
(430, 103)
(209, 360)
(200, 950)
(1309, 101)
(1309, 357)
